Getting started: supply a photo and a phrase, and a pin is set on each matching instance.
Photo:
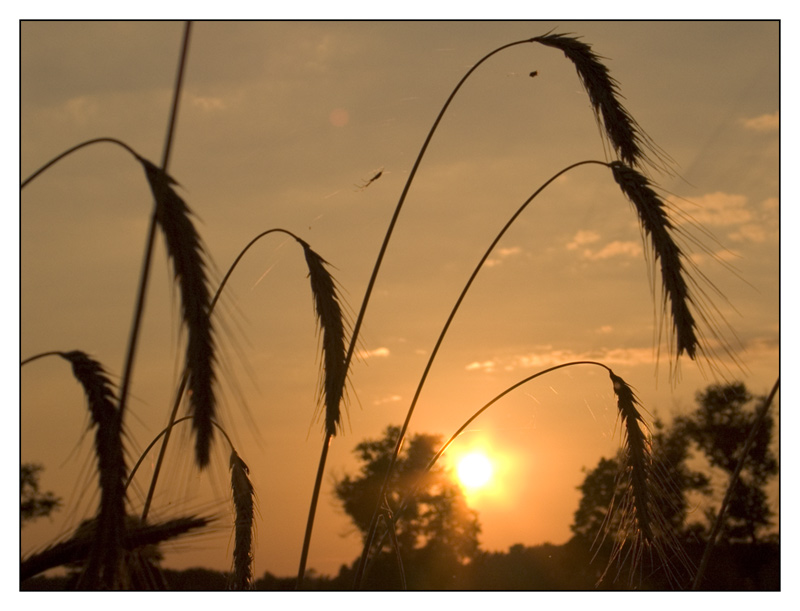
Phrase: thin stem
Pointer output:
(312, 510)
(30, 359)
(404, 428)
(159, 436)
(147, 450)
(712, 538)
(72, 150)
(140, 300)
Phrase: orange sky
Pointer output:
(278, 123)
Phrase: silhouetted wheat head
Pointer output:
(244, 506)
(655, 222)
(104, 568)
(332, 322)
(627, 139)
(186, 252)
(637, 502)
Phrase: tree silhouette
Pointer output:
(434, 529)
(717, 428)
(720, 426)
(32, 503)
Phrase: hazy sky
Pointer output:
(278, 124)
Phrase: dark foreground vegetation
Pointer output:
(734, 566)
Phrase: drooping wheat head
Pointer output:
(637, 454)
(637, 507)
(186, 252)
(332, 322)
(656, 225)
(105, 567)
(628, 140)
(243, 503)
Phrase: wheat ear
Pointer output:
(333, 375)
(627, 139)
(186, 252)
(642, 524)
(637, 452)
(243, 502)
(652, 212)
(105, 566)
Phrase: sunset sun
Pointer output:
(474, 470)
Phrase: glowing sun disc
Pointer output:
(474, 470)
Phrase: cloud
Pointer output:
(720, 209)
(763, 123)
(581, 238)
(612, 249)
(389, 399)
(208, 103)
(381, 352)
(487, 366)
(749, 233)
(503, 253)
(744, 222)
(615, 249)
(546, 356)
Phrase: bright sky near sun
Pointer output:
(283, 125)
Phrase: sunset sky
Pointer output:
(278, 125)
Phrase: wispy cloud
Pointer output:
(582, 238)
(720, 210)
(208, 103)
(387, 399)
(487, 366)
(546, 356)
(763, 123)
(381, 352)
(616, 248)
(742, 221)
(502, 254)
